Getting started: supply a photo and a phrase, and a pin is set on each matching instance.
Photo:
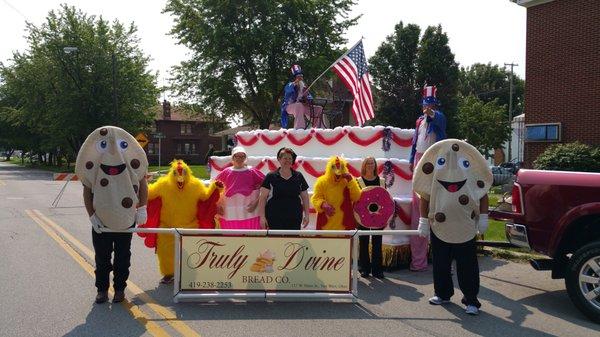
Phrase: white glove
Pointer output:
(141, 215)
(423, 227)
(96, 223)
(483, 223)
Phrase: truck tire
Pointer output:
(583, 280)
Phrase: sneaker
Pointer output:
(472, 310)
(102, 297)
(119, 296)
(379, 276)
(436, 300)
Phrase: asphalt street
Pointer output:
(47, 288)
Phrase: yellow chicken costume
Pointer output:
(333, 196)
(178, 200)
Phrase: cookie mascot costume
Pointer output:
(334, 194)
(112, 168)
(452, 179)
(178, 200)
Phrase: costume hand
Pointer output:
(411, 166)
(219, 184)
(423, 227)
(252, 206)
(305, 221)
(141, 215)
(347, 176)
(483, 223)
(96, 223)
(327, 209)
(263, 222)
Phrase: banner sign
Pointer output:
(247, 263)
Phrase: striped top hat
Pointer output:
(429, 95)
(296, 70)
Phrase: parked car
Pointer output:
(501, 175)
(558, 214)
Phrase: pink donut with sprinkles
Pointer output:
(375, 208)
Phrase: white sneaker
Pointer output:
(436, 300)
(472, 310)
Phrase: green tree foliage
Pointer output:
(61, 96)
(482, 124)
(436, 66)
(242, 50)
(393, 69)
(569, 157)
(490, 82)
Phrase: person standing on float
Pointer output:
(293, 92)
(430, 128)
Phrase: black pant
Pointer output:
(104, 245)
(467, 269)
(366, 265)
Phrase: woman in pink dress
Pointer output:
(237, 208)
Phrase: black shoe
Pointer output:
(364, 274)
(379, 276)
(102, 297)
(119, 296)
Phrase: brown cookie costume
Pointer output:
(111, 163)
(453, 176)
(452, 179)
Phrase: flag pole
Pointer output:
(336, 61)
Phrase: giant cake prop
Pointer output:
(111, 163)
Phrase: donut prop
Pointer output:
(375, 208)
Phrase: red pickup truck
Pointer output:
(558, 214)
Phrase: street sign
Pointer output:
(158, 135)
(142, 140)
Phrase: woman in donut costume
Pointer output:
(452, 179)
(242, 185)
(373, 211)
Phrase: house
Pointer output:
(562, 101)
(176, 134)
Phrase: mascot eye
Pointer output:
(122, 145)
(441, 162)
(101, 146)
(464, 164)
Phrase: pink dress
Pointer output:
(241, 188)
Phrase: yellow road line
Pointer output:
(134, 310)
(168, 314)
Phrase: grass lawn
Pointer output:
(42, 166)
(199, 171)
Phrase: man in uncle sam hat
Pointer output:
(430, 128)
(293, 92)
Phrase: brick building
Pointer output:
(562, 94)
(182, 136)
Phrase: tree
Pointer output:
(569, 157)
(436, 66)
(61, 97)
(489, 82)
(393, 68)
(242, 50)
(483, 125)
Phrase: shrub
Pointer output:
(569, 157)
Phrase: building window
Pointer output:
(186, 148)
(186, 129)
(542, 132)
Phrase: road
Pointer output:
(47, 289)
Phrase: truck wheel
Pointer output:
(583, 280)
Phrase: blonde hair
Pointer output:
(363, 167)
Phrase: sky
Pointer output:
(479, 31)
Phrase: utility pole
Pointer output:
(114, 83)
(510, 108)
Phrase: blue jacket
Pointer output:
(436, 125)
(290, 94)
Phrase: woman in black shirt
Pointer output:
(283, 195)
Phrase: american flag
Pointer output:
(352, 70)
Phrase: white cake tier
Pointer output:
(350, 141)
(312, 168)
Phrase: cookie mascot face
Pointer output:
(453, 176)
(339, 190)
(112, 163)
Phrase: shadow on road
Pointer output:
(107, 320)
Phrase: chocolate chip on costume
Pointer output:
(127, 202)
(89, 165)
(103, 131)
(440, 217)
(480, 184)
(455, 147)
(135, 163)
(103, 182)
(463, 199)
(427, 168)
